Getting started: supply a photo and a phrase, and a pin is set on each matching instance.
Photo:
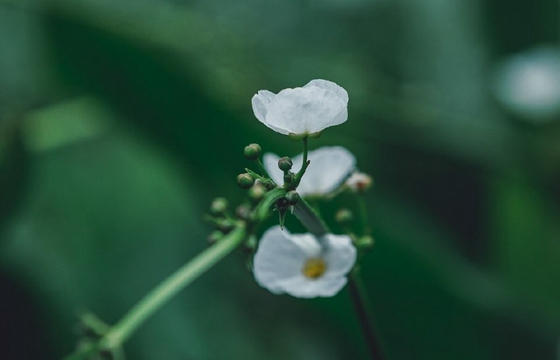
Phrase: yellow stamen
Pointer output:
(314, 268)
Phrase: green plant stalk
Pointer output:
(309, 218)
(164, 292)
(115, 336)
(314, 224)
(304, 164)
(364, 314)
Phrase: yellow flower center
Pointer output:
(314, 268)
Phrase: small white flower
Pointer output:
(303, 265)
(529, 83)
(302, 110)
(328, 168)
(359, 182)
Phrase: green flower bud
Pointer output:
(243, 212)
(245, 181)
(250, 245)
(257, 192)
(219, 206)
(225, 225)
(252, 151)
(289, 178)
(282, 206)
(365, 242)
(344, 217)
(292, 197)
(285, 163)
(214, 237)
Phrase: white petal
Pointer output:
(529, 83)
(329, 166)
(270, 163)
(339, 254)
(303, 287)
(305, 110)
(260, 103)
(280, 257)
(329, 85)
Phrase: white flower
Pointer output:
(303, 265)
(329, 166)
(529, 83)
(302, 110)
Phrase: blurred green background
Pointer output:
(120, 121)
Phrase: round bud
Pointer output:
(282, 204)
(245, 181)
(257, 192)
(365, 242)
(292, 197)
(225, 225)
(243, 212)
(344, 217)
(214, 237)
(252, 151)
(285, 163)
(219, 206)
(359, 182)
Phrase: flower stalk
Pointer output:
(315, 225)
(161, 294)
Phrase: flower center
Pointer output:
(314, 268)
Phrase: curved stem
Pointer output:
(314, 224)
(162, 293)
(304, 163)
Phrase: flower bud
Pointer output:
(365, 242)
(243, 212)
(257, 192)
(285, 163)
(292, 197)
(359, 182)
(344, 217)
(245, 181)
(225, 225)
(214, 237)
(289, 177)
(252, 151)
(219, 206)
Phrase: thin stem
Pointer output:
(305, 162)
(262, 168)
(363, 214)
(164, 292)
(309, 218)
(314, 224)
(362, 307)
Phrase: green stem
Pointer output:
(314, 224)
(309, 218)
(301, 171)
(262, 169)
(164, 292)
(364, 314)
(363, 214)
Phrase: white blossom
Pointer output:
(302, 110)
(328, 168)
(529, 83)
(303, 265)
